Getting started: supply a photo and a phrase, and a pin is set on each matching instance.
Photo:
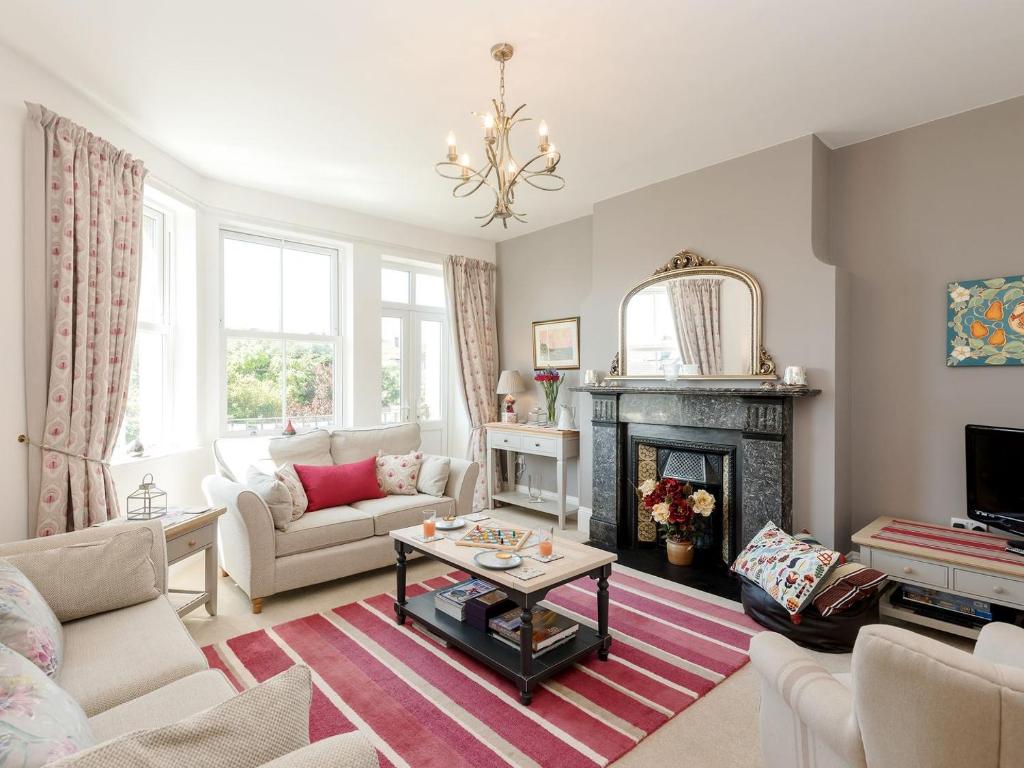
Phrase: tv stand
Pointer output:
(966, 563)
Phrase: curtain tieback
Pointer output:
(25, 439)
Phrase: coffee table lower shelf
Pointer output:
(500, 657)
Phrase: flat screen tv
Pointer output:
(995, 484)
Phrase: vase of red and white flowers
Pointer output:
(674, 506)
(550, 381)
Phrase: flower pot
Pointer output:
(679, 552)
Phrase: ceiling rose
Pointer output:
(501, 173)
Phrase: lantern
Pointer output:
(147, 501)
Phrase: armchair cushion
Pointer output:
(39, 721)
(246, 731)
(350, 750)
(90, 577)
(27, 624)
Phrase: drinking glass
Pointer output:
(534, 492)
(546, 543)
(429, 524)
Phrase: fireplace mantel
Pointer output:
(759, 422)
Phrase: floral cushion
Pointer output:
(27, 624)
(300, 502)
(39, 721)
(787, 569)
(397, 475)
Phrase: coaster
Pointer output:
(476, 517)
(435, 537)
(527, 572)
(549, 559)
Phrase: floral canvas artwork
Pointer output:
(986, 322)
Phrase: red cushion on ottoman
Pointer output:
(340, 484)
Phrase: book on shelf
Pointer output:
(548, 627)
(542, 651)
(452, 600)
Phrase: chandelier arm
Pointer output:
(517, 111)
(529, 180)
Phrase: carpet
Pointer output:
(425, 705)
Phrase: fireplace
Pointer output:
(736, 442)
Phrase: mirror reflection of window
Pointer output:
(650, 332)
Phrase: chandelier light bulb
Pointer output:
(552, 156)
(452, 151)
(464, 162)
(488, 121)
(542, 129)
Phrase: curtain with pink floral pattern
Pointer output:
(82, 291)
(471, 287)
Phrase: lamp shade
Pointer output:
(510, 383)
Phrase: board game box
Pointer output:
(505, 538)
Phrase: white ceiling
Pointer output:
(349, 103)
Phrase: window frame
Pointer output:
(335, 338)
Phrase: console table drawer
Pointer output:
(994, 588)
(503, 440)
(908, 569)
(546, 445)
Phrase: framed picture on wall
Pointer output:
(556, 343)
(985, 322)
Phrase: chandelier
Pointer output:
(500, 172)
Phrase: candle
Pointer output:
(542, 130)
(552, 157)
(464, 162)
(489, 125)
(452, 152)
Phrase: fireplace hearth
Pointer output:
(736, 442)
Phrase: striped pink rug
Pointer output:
(425, 705)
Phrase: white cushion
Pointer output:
(246, 731)
(434, 475)
(112, 657)
(164, 706)
(348, 445)
(324, 528)
(394, 512)
(311, 448)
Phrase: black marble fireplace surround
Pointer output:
(752, 426)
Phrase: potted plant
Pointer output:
(550, 380)
(674, 505)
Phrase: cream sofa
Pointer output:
(909, 702)
(138, 668)
(329, 543)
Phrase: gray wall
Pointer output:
(756, 212)
(910, 212)
(542, 276)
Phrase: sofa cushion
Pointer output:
(275, 495)
(338, 485)
(300, 502)
(349, 445)
(164, 706)
(27, 624)
(246, 731)
(434, 475)
(79, 580)
(394, 512)
(113, 657)
(397, 475)
(324, 528)
(312, 448)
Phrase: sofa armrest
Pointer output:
(99, 533)
(247, 543)
(791, 678)
(462, 476)
(1001, 643)
(346, 750)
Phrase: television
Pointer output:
(995, 490)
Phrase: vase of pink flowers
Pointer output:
(675, 506)
(550, 381)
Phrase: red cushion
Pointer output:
(340, 484)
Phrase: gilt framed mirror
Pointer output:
(693, 319)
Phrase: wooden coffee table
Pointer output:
(519, 665)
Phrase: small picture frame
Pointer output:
(556, 344)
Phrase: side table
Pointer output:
(188, 535)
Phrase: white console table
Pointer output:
(989, 575)
(558, 444)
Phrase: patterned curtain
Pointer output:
(696, 309)
(470, 289)
(82, 291)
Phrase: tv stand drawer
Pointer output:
(994, 588)
(904, 568)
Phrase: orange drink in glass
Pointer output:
(429, 524)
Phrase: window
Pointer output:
(413, 361)
(149, 411)
(281, 333)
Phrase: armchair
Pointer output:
(909, 701)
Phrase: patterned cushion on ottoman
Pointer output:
(788, 570)
(846, 586)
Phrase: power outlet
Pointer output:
(967, 524)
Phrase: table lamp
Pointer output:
(510, 383)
